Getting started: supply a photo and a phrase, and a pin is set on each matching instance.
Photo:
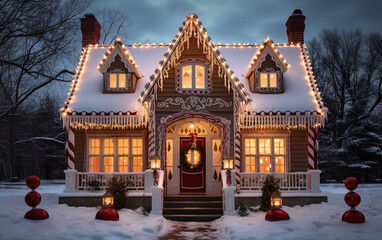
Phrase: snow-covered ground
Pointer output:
(318, 221)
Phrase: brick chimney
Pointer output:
(295, 27)
(90, 29)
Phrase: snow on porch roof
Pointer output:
(298, 96)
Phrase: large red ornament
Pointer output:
(352, 199)
(33, 182)
(36, 214)
(276, 215)
(33, 199)
(107, 214)
(353, 216)
(351, 183)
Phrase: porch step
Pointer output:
(193, 218)
(198, 208)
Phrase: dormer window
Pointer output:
(268, 80)
(193, 76)
(117, 81)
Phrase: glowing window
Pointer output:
(193, 76)
(117, 81)
(263, 154)
(268, 80)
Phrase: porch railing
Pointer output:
(84, 178)
(294, 181)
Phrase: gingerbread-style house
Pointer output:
(194, 105)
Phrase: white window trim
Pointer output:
(269, 80)
(115, 155)
(272, 155)
(193, 88)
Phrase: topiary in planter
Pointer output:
(118, 189)
(270, 186)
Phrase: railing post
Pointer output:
(228, 194)
(314, 180)
(157, 194)
(71, 180)
(149, 180)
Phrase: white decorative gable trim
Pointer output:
(194, 102)
(126, 58)
(192, 27)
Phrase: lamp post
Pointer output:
(155, 165)
(107, 213)
(228, 165)
(276, 213)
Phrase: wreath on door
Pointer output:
(185, 150)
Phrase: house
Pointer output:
(193, 103)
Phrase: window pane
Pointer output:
(265, 164)
(199, 76)
(279, 147)
(123, 164)
(108, 164)
(263, 80)
(113, 80)
(216, 154)
(279, 164)
(94, 146)
(169, 148)
(137, 164)
(108, 146)
(265, 146)
(250, 164)
(122, 80)
(123, 146)
(187, 76)
(273, 80)
(94, 164)
(250, 146)
(137, 146)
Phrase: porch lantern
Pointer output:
(155, 162)
(276, 213)
(228, 163)
(155, 165)
(107, 213)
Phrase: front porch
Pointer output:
(297, 188)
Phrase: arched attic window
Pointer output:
(118, 78)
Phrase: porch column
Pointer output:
(312, 148)
(69, 148)
(70, 180)
(228, 193)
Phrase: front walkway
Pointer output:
(192, 230)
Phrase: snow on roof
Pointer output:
(89, 97)
(298, 95)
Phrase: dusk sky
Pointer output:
(243, 21)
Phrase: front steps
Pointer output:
(192, 208)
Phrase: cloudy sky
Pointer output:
(242, 21)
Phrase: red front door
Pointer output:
(192, 174)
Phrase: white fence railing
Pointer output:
(86, 178)
(294, 181)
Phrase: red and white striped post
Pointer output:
(237, 155)
(312, 148)
(69, 148)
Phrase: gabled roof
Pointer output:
(267, 47)
(119, 49)
(192, 23)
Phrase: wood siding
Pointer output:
(218, 91)
(299, 150)
(80, 147)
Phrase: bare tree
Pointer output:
(114, 25)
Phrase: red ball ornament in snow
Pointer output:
(33, 199)
(107, 214)
(353, 216)
(352, 199)
(33, 182)
(351, 183)
(36, 214)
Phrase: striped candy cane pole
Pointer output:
(69, 148)
(151, 127)
(237, 160)
(312, 148)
